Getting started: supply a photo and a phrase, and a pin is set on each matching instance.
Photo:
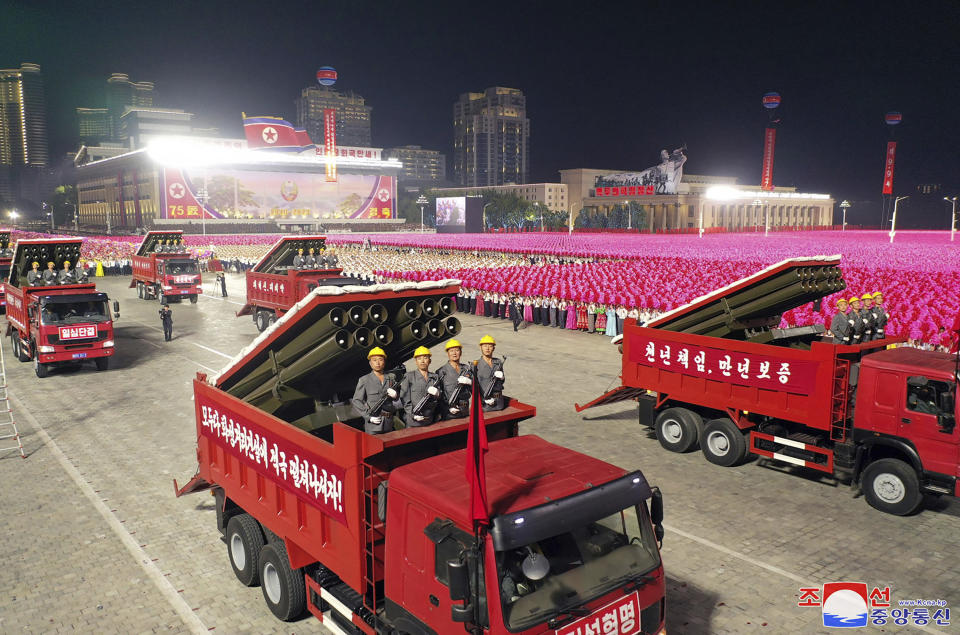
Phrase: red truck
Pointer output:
(718, 373)
(6, 257)
(279, 281)
(55, 323)
(163, 269)
(372, 533)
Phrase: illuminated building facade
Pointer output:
(491, 142)
(421, 168)
(352, 115)
(23, 117)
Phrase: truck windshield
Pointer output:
(181, 268)
(550, 577)
(74, 312)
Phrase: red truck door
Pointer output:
(933, 431)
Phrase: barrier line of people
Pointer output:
(50, 276)
(859, 319)
(314, 261)
(392, 400)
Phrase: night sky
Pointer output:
(606, 86)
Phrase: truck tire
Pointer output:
(244, 542)
(723, 443)
(271, 320)
(24, 351)
(262, 317)
(193, 298)
(41, 369)
(103, 363)
(284, 589)
(892, 486)
(677, 429)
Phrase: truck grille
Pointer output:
(101, 335)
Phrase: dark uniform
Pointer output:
(66, 276)
(858, 326)
(842, 329)
(491, 387)
(166, 317)
(869, 320)
(34, 277)
(880, 317)
(412, 390)
(451, 377)
(370, 392)
(223, 284)
(50, 276)
(298, 261)
(332, 260)
(309, 262)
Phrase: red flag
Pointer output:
(303, 139)
(766, 175)
(269, 132)
(888, 167)
(477, 448)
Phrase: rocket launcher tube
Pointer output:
(376, 314)
(357, 315)
(363, 337)
(446, 306)
(430, 308)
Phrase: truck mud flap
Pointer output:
(775, 447)
(195, 484)
(246, 310)
(620, 393)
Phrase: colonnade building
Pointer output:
(723, 202)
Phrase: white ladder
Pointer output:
(8, 427)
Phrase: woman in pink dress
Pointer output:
(527, 309)
(571, 316)
(479, 309)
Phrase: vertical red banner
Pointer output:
(769, 141)
(888, 167)
(330, 141)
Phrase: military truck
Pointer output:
(60, 323)
(374, 533)
(276, 283)
(163, 269)
(6, 257)
(720, 374)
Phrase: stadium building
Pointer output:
(184, 180)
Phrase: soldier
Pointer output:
(322, 261)
(50, 275)
(222, 279)
(842, 324)
(65, 276)
(454, 375)
(310, 261)
(34, 276)
(166, 317)
(374, 395)
(298, 260)
(419, 388)
(868, 317)
(490, 376)
(880, 317)
(332, 259)
(859, 326)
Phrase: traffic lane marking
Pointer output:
(206, 348)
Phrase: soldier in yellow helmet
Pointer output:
(50, 275)
(34, 276)
(859, 326)
(456, 382)
(880, 316)
(869, 319)
(490, 375)
(842, 324)
(420, 391)
(65, 275)
(375, 394)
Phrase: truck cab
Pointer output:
(164, 269)
(60, 323)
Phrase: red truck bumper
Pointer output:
(74, 355)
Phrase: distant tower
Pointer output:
(123, 94)
(23, 117)
(491, 141)
(353, 115)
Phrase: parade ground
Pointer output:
(94, 540)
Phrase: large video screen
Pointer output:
(232, 193)
(452, 212)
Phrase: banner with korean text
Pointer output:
(888, 167)
(769, 143)
(762, 371)
(330, 141)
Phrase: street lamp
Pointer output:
(893, 222)
(421, 202)
(202, 197)
(953, 218)
(845, 205)
(716, 193)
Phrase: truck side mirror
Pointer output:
(917, 381)
(656, 513)
(946, 422)
(459, 576)
(116, 309)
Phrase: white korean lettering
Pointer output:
(651, 352)
(683, 357)
(764, 370)
(744, 368)
(665, 355)
(784, 373)
(726, 364)
(701, 360)
(627, 618)
(611, 625)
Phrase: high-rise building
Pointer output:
(353, 115)
(491, 140)
(122, 94)
(23, 117)
(421, 168)
(138, 126)
(94, 125)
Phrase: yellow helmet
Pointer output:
(452, 344)
(867, 296)
(50, 263)
(486, 339)
(877, 293)
(844, 300)
(854, 299)
(66, 263)
(35, 264)
(376, 350)
(422, 350)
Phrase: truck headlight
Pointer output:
(46, 349)
(167, 287)
(108, 344)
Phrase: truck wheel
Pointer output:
(677, 429)
(23, 353)
(262, 318)
(103, 363)
(244, 542)
(42, 369)
(892, 486)
(271, 320)
(283, 588)
(723, 443)
(193, 299)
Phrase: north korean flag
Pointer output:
(269, 132)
